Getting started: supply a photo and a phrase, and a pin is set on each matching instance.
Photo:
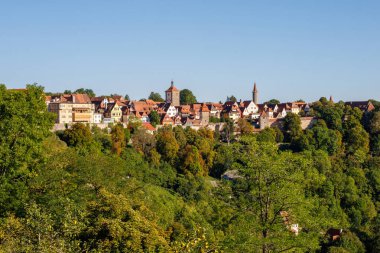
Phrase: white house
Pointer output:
(170, 110)
(249, 108)
(98, 118)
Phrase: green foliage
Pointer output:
(89, 92)
(271, 193)
(214, 119)
(267, 134)
(331, 113)
(244, 127)
(155, 97)
(186, 97)
(154, 118)
(322, 138)
(167, 145)
(24, 124)
(164, 192)
(227, 134)
(273, 101)
(292, 127)
(118, 139)
(232, 98)
(143, 142)
(80, 137)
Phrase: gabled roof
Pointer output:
(150, 102)
(246, 103)
(205, 108)
(97, 99)
(148, 126)
(362, 105)
(142, 106)
(166, 118)
(230, 106)
(217, 106)
(71, 98)
(81, 99)
(185, 109)
(110, 107)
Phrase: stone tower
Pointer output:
(205, 115)
(172, 95)
(255, 94)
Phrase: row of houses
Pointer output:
(71, 108)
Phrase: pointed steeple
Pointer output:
(255, 93)
(172, 83)
(331, 99)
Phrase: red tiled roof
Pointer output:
(148, 126)
(81, 99)
(205, 108)
(172, 87)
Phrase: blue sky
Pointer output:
(292, 49)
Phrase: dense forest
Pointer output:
(85, 189)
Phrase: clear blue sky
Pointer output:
(292, 49)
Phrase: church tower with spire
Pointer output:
(255, 94)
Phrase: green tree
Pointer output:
(24, 123)
(89, 92)
(155, 96)
(355, 137)
(279, 135)
(143, 142)
(232, 98)
(375, 123)
(126, 97)
(118, 139)
(134, 123)
(154, 118)
(267, 134)
(331, 113)
(322, 138)
(292, 127)
(187, 97)
(227, 133)
(79, 136)
(180, 136)
(273, 101)
(193, 162)
(244, 126)
(270, 193)
(167, 145)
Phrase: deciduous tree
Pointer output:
(187, 97)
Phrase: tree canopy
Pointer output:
(273, 101)
(155, 96)
(186, 97)
(89, 92)
(87, 189)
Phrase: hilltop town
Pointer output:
(75, 108)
